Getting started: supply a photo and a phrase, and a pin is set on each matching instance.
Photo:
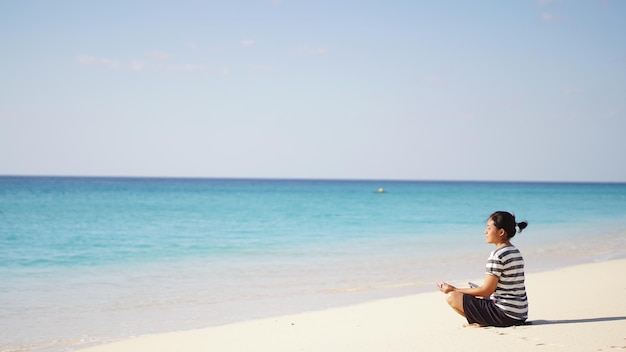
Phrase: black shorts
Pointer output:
(486, 313)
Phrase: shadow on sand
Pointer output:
(573, 321)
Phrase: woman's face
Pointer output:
(492, 234)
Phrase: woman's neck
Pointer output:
(503, 244)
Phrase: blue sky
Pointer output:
(436, 90)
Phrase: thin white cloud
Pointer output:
(247, 43)
(546, 16)
(191, 45)
(186, 68)
(137, 65)
(432, 79)
(154, 61)
(89, 60)
(261, 68)
(162, 61)
(549, 17)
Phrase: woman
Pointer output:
(501, 300)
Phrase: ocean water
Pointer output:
(90, 260)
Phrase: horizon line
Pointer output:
(327, 179)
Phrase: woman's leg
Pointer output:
(455, 300)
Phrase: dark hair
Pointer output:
(505, 220)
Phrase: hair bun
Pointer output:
(522, 225)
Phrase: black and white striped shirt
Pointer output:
(507, 264)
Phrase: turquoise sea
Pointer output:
(90, 260)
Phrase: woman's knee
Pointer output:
(455, 300)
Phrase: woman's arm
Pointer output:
(488, 287)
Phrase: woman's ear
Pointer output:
(502, 232)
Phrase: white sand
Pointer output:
(580, 308)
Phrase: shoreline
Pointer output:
(565, 312)
(165, 313)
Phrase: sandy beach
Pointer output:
(578, 308)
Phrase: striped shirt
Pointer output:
(507, 264)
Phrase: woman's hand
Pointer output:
(445, 288)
